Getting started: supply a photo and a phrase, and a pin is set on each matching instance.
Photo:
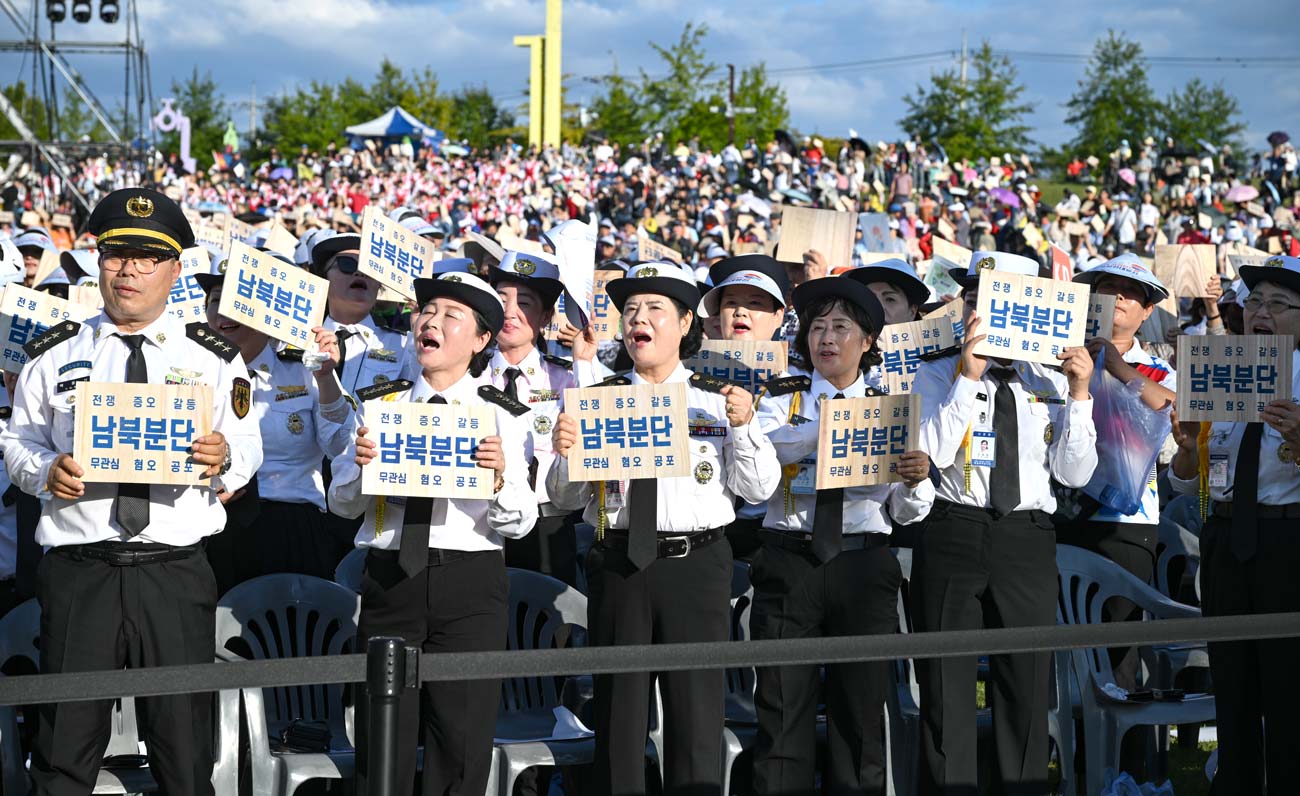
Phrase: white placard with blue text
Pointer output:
(859, 440)
(1029, 318)
(1232, 378)
(187, 301)
(264, 293)
(392, 254)
(140, 433)
(751, 362)
(629, 432)
(902, 345)
(1101, 316)
(427, 450)
(25, 314)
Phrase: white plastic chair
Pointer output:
(285, 616)
(1087, 582)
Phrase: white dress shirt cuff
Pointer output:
(1189, 486)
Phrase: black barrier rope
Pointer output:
(36, 689)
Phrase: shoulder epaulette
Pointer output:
(942, 353)
(559, 362)
(617, 380)
(212, 340)
(788, 385)
(494, 396)
(51, 337)
(289, 354)
(380, 390)
(710, 383)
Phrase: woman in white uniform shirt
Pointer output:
(825, 568)
(434, 573)
(661, 569)
(1250, 550)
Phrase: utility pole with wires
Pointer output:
(731, 110)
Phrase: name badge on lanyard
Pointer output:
(983, 448)
(805, 480)
(1219, 470)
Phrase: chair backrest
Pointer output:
(741, 681)
(909, 689)
(20, 634)
(348, 573)
(544, 613)
(1178, 558)
(290, 616)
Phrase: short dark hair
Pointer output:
(820, 307)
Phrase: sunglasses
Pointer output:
(347, 263)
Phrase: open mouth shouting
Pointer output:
(427, 342)
(641, 339)
(740, 328)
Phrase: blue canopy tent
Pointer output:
(392, 127)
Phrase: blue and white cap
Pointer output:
(895, 272)
(11, 262)
(541, 272)
(992, 261)
(1279, 269)
(1129, 266)
(712, 300)
(453, 265)
(36, 237)
(84, 260)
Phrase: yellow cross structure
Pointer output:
(545, 93)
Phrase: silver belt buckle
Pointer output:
(686, 540)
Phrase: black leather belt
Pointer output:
(670, 545)
(129, 554)
(437, 555)
(1287, 512)
(802, 542)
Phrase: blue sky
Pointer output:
(279, 45)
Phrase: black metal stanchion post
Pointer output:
(385, 682)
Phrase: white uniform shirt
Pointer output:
(1055, 433)
(1161, 372)
(726, 463)
(541, 385)
(8, 510)
(456, 523)
(1279, 482)
(42, 427)
(795, 440)
(297, 432)
(374, 355)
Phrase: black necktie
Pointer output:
(828, 520)
(643, 521)
(413, 553)
(512, 375)
(342, 336)
(1245, 494)
(133, 499)
(1004, 481)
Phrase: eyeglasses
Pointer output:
(144, 264)
(1274, 307)
(347, 263)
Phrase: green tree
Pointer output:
(477, 118)
(29, 107)
(1114, 100)
(771, 109)
(200, 100)
(975, 118)
(1202, 112)
(619, 116)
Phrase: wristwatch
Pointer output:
(225, 465)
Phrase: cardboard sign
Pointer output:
(238, 231)
(1029, 318)
(860, 440)
(281, 240)
(392, 254)
(187, 301)
(281, 301)
(902, 344)
(938, 279)
(629, 432)
(828, 231)
(211, 237)
(1185, 268)
(1101, 316)
(1076, 229)
(875, 231)
(140, 433)
(954, 311)
(25, 314)
(750, 362)
(1062, 267)
(86, 295)
(49, 262)
(871, 258)
(61, 220)
(427, 450)
(1233, 377)
(1245, 256)
(605, 320)
(647, 249)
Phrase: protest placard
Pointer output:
(1062, 267)
(750, 362)
(1029, 318)
(954, 312)
(1232, 377)
(859, 440)
(281, 301)
(647, 249)
(392, 254)
(828, 231)
(61, 220)
(875, 231)
(140, 433)
(281, 240)
(1101, 316)
(240, 231)
(951, 255)
(25, 314)
(427, 450)
(1185, 268)
(902, 344)
(604, 316)
(186, 300)
(87, 295)
(937, 278)
(211, 237)
(1244, 255)
(575, 251)
(49, 262)
(1076, 229)
(629, 432)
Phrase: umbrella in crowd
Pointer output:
(1006, 196)
(1128, 176)
(1242, 193)
(282, 173)
(1278, 138)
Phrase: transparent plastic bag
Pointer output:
(1129, 436)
